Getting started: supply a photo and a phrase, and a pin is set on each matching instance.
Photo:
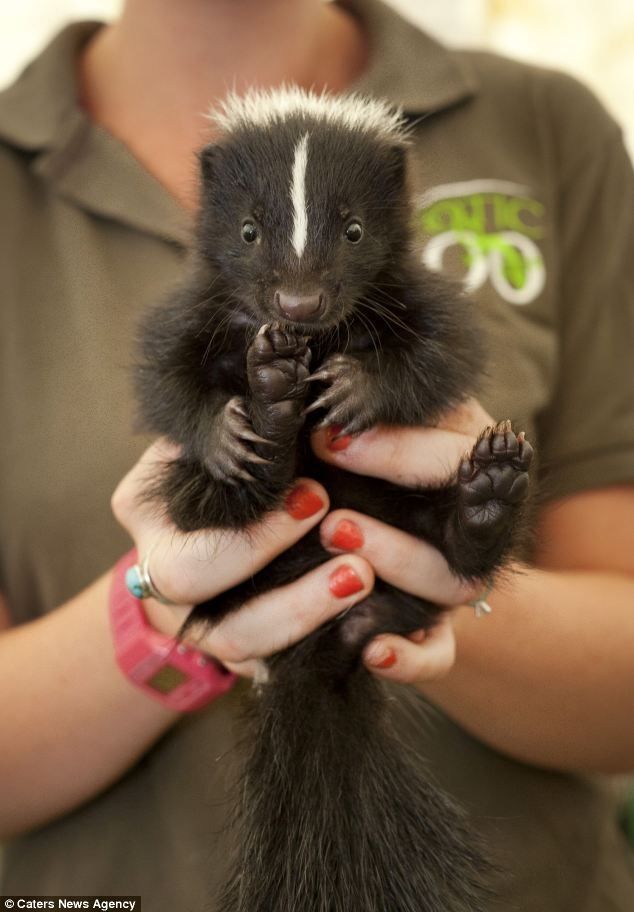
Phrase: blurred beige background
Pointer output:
(593, 39)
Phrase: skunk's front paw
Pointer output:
(232, 448)
(345, 400)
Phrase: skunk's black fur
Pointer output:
(335, 815)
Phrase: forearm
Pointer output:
(548, 677)
(71, 722)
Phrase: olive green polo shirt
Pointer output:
(524, 192)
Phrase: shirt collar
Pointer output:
(407, 66)
(40, 114)
(33, 108)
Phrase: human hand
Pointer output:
(193, 567)
(409, 457)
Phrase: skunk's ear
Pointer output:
(208, 157)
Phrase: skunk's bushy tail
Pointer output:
(335, 815)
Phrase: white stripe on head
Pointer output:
(268, 107)
(298, 196)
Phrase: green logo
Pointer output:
(486, 230)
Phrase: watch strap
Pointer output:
(174, 673)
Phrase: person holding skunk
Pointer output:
(98, 138)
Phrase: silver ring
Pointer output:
(139, 583)
(480, 605)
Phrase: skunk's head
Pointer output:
(303, 203)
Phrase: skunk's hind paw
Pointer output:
(493, 480)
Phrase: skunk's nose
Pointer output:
(299, 307)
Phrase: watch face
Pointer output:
(167, 679)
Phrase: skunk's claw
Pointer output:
(325, 374)
(344, 400)
(231, 450)
(252, 437)
(243, 429)
(322, 402)
(237, 405)
(353, 427)
(238, 474)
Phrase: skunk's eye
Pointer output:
(354, 232)
(249, 233)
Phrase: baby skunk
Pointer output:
(305, 298)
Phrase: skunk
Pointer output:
(305, 304)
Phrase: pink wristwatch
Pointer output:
(179, 676)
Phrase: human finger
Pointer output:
(188, 568)
(275, 620)
(469, 417)
(405, 455)
(200, 565)
(409, 563)
(424, 656)
(412, 457)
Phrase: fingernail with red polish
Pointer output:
(302, 502)
(347, 536)
(380, 656)
(341, 443)
(344, 581)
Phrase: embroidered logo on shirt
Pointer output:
(485, 231)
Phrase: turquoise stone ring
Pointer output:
(139, 583)
(134, 582)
